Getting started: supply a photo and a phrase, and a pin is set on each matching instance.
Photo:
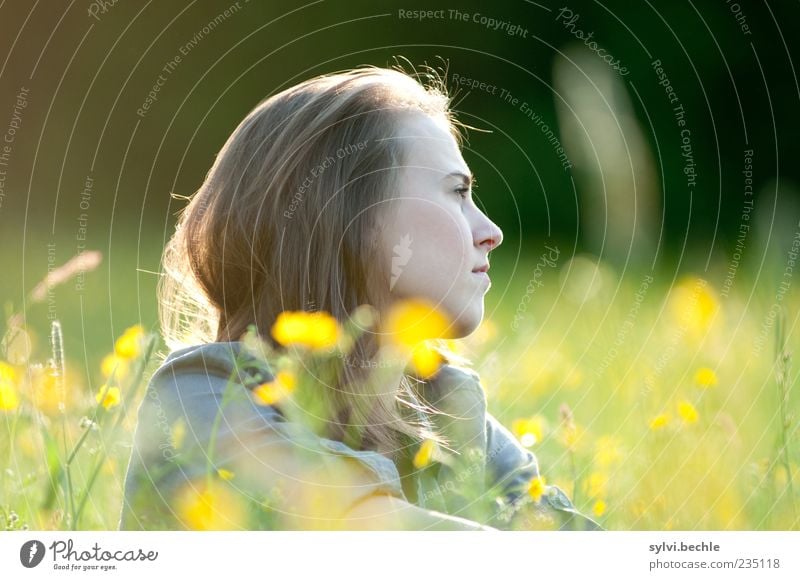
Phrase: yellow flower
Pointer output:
(694, 305)
(8, 373)
(225, 475)
(48, 393)
(607, 451)
(113, 363)
(687, 411)
(8, 390)
(599, 508)
(315, 330)
(426, 360)
(412, 321)
(129, 345)
(213, 507)
(659, 422)
(276, 390)
(705, 378)
(596, 485)
(529, 431)
(108, 397)
(425, 453)
(536, 488)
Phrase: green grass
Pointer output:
(579, 347)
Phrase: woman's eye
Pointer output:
(463, 192)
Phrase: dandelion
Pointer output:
(425, 453)
(687, 411)
(536, 488)
(129, 345)
(315, 330)
(9, 400)
(529, 431)
(210, 507)
(108, 397)
(705, 378)
(410, 322)
(659, 422)
(276, 390)
(599, 508)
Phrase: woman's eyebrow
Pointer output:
(468, 179)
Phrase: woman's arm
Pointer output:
(305, 481)
(385, 512)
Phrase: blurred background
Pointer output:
(640, 157)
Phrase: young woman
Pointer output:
(345, 190)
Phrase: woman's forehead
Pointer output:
(431, 145)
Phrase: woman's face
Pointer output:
(433, 236)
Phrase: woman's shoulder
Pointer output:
(218, 359)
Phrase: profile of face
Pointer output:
(432, 234)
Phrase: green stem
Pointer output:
(129, 398)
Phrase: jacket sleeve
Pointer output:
(274, 466)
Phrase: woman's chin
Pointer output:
(468, 321)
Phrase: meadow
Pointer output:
(655, 400)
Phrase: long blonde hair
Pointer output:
(286, 220)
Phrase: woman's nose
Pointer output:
(489, 234)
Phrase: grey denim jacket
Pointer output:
(188, 389)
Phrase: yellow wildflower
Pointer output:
(129, 345)
(687, 411)
(426, 360)
(8, 395)
(529, 431)
(225, 475)
(659, 421)
(694, 305)
(599, 508)
(213, 507)
(315, 330)
(596, 485)
(412, 321)
(607, 451)
(536, 488)
(705, 378)
(425, 453)
(48, 393)
(114, 364)
(9, 400)
(108, 397)
(276, 390)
